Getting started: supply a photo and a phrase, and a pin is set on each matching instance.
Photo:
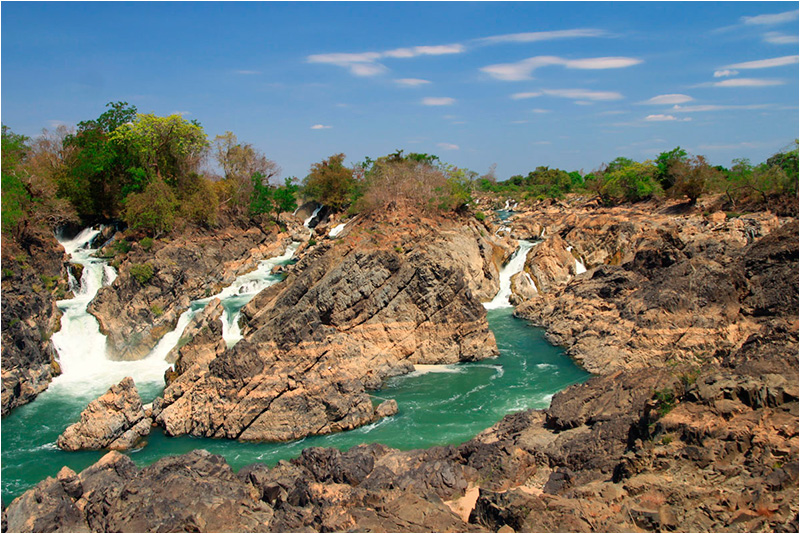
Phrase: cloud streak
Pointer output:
(447, 146)
(523, 70)
(583, 94)
(746, 82)
(764, 63)
(673, 98)
(771, 19)
(532, 37)
(366, 64)
(438, 101)
(664, 118)
(411, 82)
(321, 127)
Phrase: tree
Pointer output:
(239, 162)
(329, 182)
(692, 177)
(164, 147)
(153, 210)
(97, 172)
(14, 197)
(665, 163)
(625, 180)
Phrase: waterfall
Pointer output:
(515, 264)
(336, 230)
(580, 268)
(311, 217)
(80, 345)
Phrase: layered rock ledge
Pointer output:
(352, 312)
(116, 420)
(136, 311)
(33, 274)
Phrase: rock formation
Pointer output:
(33, 275)
(352, 312)
(135, 313)
(115, 420)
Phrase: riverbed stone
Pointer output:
(115, 420)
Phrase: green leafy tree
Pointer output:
(285, 197)
(15, 197)
(625, 180)
(330, 183)
(665, 166)
(165, 147)
(97, 170)
(153, 210)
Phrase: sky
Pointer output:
(513, 84)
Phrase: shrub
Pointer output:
(665, 401)
(156, 310)
(480, 216)
(142, 272)
(329, 182)
(146, 243)
(152, 210)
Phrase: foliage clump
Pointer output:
(142, 272)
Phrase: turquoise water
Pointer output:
(448, 406)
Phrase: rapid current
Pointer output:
(439, 404)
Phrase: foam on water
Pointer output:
(515, 264)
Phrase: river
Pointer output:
(439, 405)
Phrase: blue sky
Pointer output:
(516, 84)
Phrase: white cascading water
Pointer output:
(336, 230)
(515, 264)
(311, 217)
(80, 345)
(242, 291)
(580, 268)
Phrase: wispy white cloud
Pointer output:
(520, 122)
(770, 19)
(662, 118)
(182, 113)
(612, 112)
(520, 96)
(523, 70)
(247, 72)
(531, 37)
(424, 51)
(438, 101)
(725, 72)
(583, 94)
(367, 64)
(764, 63)
(542, 143)
(447, 146)
(672, 98)
(540, 110)
(411, 82)
(780, 38)
(321, 127)
(746, 82)
(715, 107)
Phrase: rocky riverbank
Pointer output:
(34, 275)
(155, 286)
(394, 290)
(688, 318)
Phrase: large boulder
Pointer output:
(116, 420)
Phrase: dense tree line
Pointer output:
(148, 171)
(142, 169)
(673, 174)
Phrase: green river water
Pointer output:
(448, 405)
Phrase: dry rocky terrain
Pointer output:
(687, 318)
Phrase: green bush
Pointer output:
(152, 210)
(665, 401)
(146, 243)
(480, 216)
(142, 272)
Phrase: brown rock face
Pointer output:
(351, 313)
(34, 273)
(115, 420)
(135, 315)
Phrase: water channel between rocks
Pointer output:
(439, 405)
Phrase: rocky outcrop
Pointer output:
(33, 277)
(116, 420)
(154, 287)
(678, 290)
(352, 312)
